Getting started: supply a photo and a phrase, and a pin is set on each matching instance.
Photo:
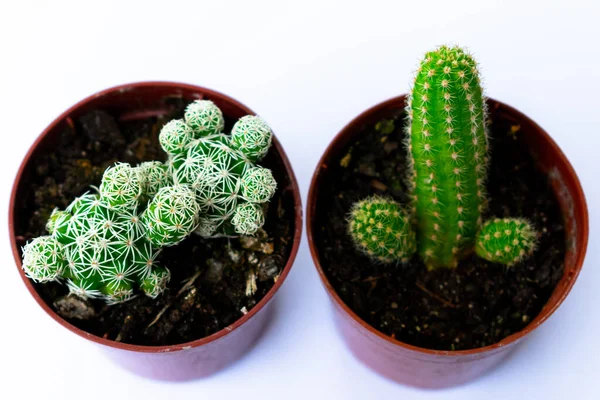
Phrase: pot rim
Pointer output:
(579, 201)
(166, 348)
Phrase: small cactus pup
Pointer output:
(381, 228)
(221, 169)
(448, 146)
(506, 241)
(100, 246)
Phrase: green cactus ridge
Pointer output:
(448, 147)
(382, 229)
(506, 241)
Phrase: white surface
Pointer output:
(308, 69)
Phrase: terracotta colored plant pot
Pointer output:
(433, 368)
(200, 357)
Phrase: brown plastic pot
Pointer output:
(423, 367)
(200, 357)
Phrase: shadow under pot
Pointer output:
(444, 327)
(217, 301)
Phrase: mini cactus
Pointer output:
(247, 218)
(100, 246)
(252, 136)
(204, 118)
(381, 228)
(448, 153)
(121, 186)
(44, 259)
(505, 241)
(104, 245)
(171, 215)
(448, 156)
(220, 169)
(175, 136)
(154, 175)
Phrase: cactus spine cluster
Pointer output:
(448, 156)
(382, 229)
(506, 241)
(104, 245)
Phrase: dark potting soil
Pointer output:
(209, 288)
(475, 305)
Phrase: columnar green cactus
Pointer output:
(220, 168)
(506, 241)
(381, 228)
(448, 151)
(448, 157)
(99, 244)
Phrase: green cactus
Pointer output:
(381, 228)
(44, 259)
(448, 156)
(171, 215)
(104, 245)
(204, 118)
(252, 136)
(505, 241)
(175, 136)
(154, 175)
(220, 169)
(100, 246)
(121, 186)
(448, 147)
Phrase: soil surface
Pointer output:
(475, 305)
(211, 284)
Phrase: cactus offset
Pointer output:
(505, 241)
(448, 152)
(381, 228)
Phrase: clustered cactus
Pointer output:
(228, 186)
(448, 156)
(99, 244)
(104, 244)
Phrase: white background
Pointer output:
(307, 69)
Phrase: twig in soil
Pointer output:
(378, 185)
(435, 296)
(185, 287)
(127, 320)
(188, 283)
(160, 314)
